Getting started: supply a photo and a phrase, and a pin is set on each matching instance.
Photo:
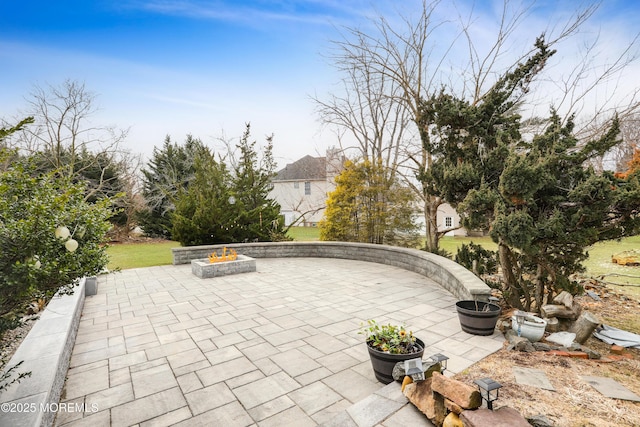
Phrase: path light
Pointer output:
(62, 232)
(488, 390)
(71, 245)
(413, 367)
(441, 359)
(520, 316)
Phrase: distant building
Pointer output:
(301, 188)
(447, 218)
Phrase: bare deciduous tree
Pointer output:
(399, 61)
(63, 131)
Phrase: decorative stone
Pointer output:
(503, 417)
(452, 420)
(540, 421)
(464, 395)
(532, 377)
(429, 403)
(205, 269)
(452, 406)
(519, 343)
(540, 346)
(611, 388)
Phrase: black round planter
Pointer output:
(478, 317)
(383, 363)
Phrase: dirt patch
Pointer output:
(574, 402)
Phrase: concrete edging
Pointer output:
(453, 277)
(45, 353)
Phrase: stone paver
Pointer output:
(532, 377)
(611, 388)
(159, 346)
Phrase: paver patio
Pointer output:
(159, 346)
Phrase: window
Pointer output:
(307, 188)
(448, 222)
(296, 185)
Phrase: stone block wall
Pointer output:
(456, 279)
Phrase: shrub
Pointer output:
(34, 263)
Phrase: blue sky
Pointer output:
(206, 67)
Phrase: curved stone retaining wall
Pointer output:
(45, 352)
(463, 284)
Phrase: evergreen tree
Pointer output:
(169, 171)
(541, 202)
(203, 210)
(369, 206)
(220, 205)
(257, 215)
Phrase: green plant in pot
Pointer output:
(389, 344)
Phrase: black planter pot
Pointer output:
(478, 317)
(383, 363)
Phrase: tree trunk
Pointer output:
(584, 326)
(431, 224)
(539, 286)
(509, 285)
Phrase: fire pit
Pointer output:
(229, 262)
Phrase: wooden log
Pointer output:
(564, 298)
(560, 311)
(552, 324)
(584, 326)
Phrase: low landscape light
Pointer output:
(441, 359)
(488, 390)
(414, 368)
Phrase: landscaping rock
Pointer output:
(464, 395)
(503, 417)
(518, 343)
(563, 338)
(540, 346)
(452, 420)
(540, 421)
(452, 406)
(429, 403)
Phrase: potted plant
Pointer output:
(388, 345)
(478, 317)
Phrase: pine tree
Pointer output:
(541, 202)
(257, 217)
(169, 171)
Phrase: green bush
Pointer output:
(34, 263)
(477, 259)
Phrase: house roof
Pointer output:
(305, 169)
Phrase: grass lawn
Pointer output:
(304, 233)
(135, 255)
(599, 263)
(451, 244)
